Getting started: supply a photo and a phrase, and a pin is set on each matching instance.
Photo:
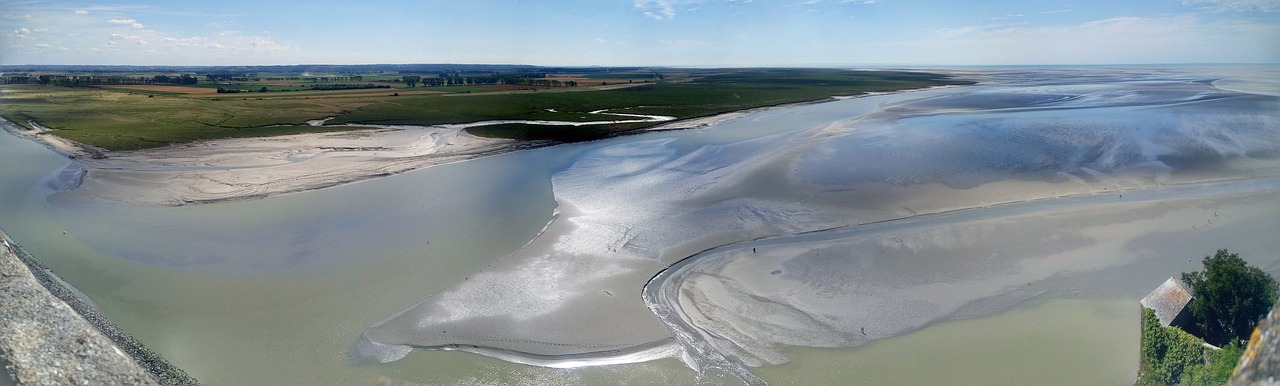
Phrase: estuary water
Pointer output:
(855, 226)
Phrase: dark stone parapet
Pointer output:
(56, 336)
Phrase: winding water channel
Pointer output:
(729, 252)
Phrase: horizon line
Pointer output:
(686, 66)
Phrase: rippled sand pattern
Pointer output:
(937, 205)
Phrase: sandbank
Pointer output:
(245, 168)
(810, 238)
(234, 169)
(250, 168)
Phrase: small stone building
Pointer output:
(1169, 301)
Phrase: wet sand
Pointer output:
(248, 168)
(746, 302)
(251, 168)
(946, 205)
(236, 169)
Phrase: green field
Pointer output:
(119, 119)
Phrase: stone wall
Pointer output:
(50, 335)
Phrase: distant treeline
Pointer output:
(318, 87)
(344, 86)
(96, 80)
(253, 77)
(314, 68)
(508, 78)
(231, 77)
(317, 79)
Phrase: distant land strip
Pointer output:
(127, 108)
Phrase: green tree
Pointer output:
(411, 80)
(1228, 298)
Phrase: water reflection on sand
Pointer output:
(812, 225)
(628, 209)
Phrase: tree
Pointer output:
(1228, 298)
(411, 80)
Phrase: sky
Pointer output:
(712, 33)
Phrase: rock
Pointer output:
(46, 339)
(1260, 364)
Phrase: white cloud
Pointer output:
(22, 32)
(82, 12)
(1237, 5)
(129, 22)
(262, 43)
(657, 9)
(42, 45)
(864, 2)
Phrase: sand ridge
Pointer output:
(232, 169)
(248, 168)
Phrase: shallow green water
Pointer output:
(1057, 342)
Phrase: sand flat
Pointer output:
(234, 169)
(950, 204)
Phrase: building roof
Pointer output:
(1167, 300)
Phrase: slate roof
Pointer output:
(1168, 300)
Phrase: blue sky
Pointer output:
(641, 32)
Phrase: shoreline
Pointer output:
(42, 135)
(709, 120)
(236, 169)
(94, 361)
